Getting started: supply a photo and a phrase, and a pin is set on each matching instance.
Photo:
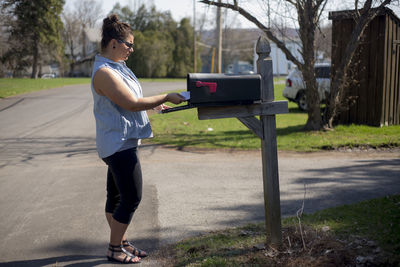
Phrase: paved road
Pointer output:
(52, 185)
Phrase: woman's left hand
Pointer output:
(161, 107)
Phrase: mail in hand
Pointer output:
(185, 94)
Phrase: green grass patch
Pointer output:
(183, 129)
(16, 86)
(375, 220)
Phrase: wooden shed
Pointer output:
(374, 90)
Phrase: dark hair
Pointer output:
(114, 29)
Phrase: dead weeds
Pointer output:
(319, 248)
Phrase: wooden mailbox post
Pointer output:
(265, 129)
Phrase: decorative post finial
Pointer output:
(264, 68)
(263, 49)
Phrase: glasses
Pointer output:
(129, 45)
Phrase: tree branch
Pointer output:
(323, 2)
(356, 8)
(291, 2)
(261, 26)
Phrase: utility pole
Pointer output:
(269, 15)
(219, 39)
(194, 38)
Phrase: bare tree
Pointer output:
(362, 17)
(84, 15)
(88, 12)
(71, 32)
(308, 13)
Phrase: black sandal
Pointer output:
(136, 252)
(119, 249)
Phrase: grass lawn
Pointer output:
(16, 86)
(332, 237)
(183, 129)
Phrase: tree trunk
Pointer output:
(71, 68)
(34, 74)
(40, 70)
(83, 36)
(307, 36)
(314, 121)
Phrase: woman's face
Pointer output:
(124, 48)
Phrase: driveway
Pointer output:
(52, 184)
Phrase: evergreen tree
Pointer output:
(162, 47)
(153, 56)
(34, 28)
(183, 53)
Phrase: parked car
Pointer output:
(48, 76)
(295, 89)
(240, 67)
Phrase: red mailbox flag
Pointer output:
(211, 86)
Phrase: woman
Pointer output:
(121, 121)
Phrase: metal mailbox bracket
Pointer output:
(265, 128)
(245, 113)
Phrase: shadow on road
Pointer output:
(366, 179)
(24, 150)
(76, 253)
(69, 260)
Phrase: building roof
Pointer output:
(349, 14)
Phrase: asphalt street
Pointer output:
(52, 184)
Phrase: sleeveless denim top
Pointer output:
(116, 127)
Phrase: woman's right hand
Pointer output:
(175, 98)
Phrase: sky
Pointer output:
(184, 8)
(178, 8)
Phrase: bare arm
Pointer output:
(107, 83)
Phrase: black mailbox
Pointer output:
(208, 89)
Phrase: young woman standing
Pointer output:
(121, 121)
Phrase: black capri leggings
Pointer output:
(124, 184)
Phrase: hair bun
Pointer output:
(114, 18)
(111, 19)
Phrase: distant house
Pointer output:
(239, 46)
(281, 65)
(87, 48)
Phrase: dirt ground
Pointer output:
(310, 249)
(322, 249)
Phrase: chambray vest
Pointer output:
(116, 127)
